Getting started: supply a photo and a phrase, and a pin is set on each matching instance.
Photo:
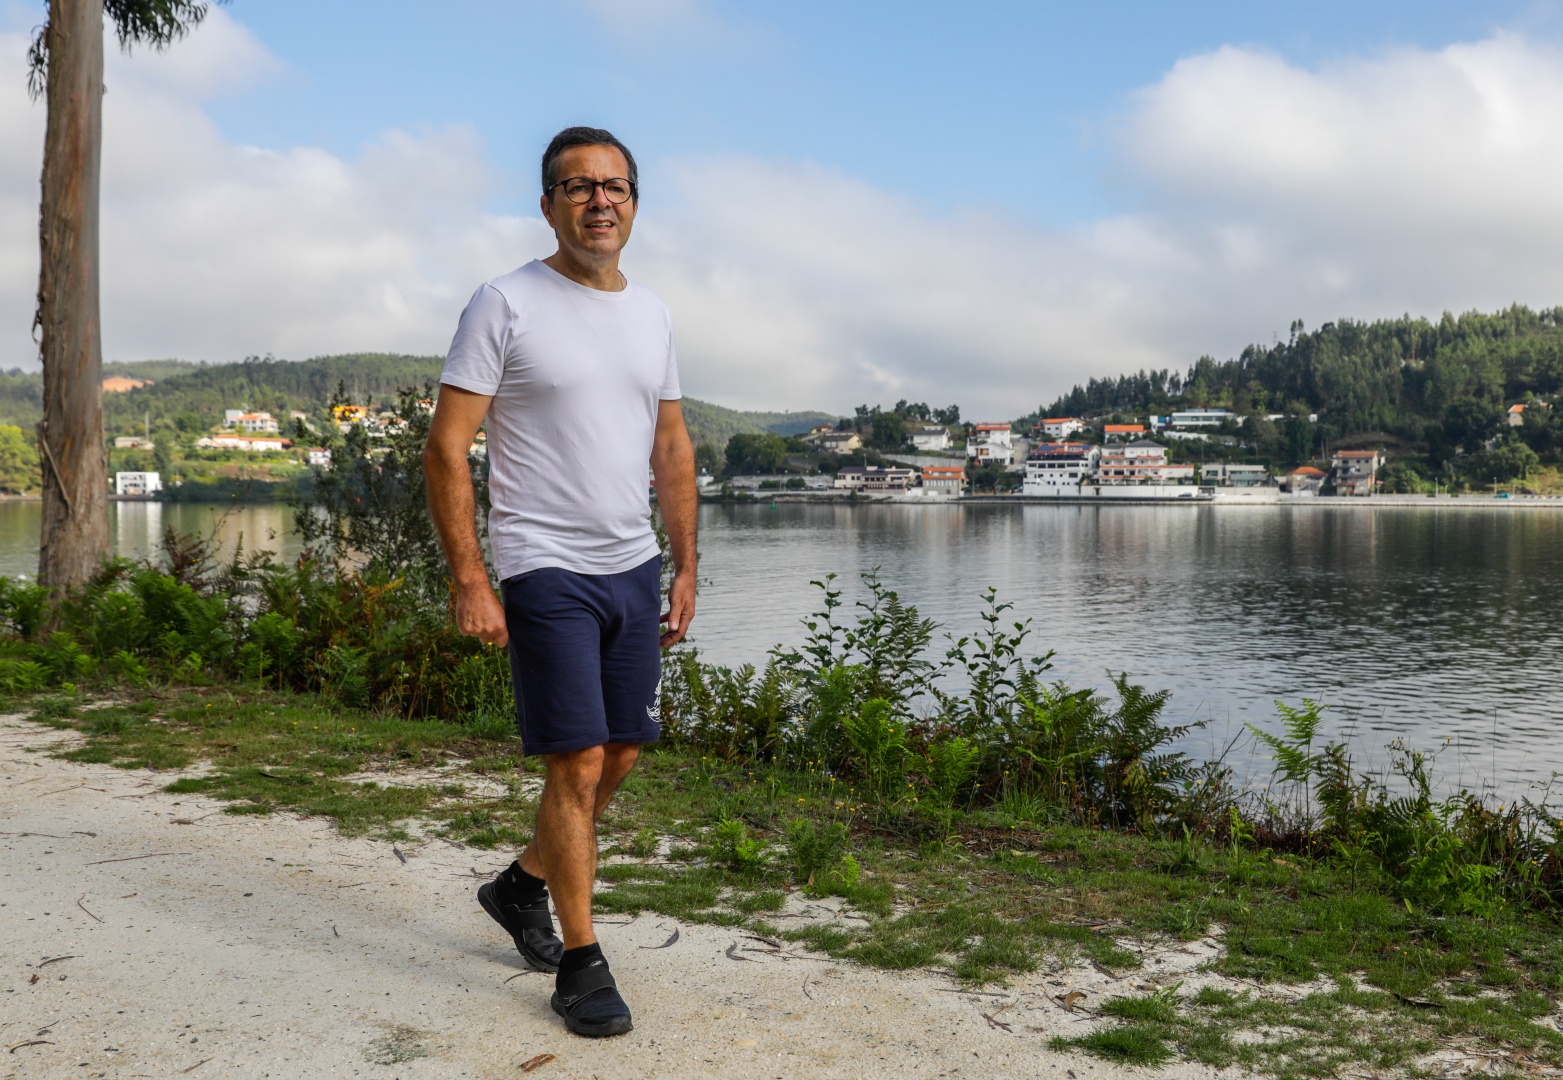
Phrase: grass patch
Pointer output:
(986, 896)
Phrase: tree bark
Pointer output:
(75, 536)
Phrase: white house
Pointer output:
(133, 442)
(1140, 462)
(1200, 418)
(257, 423)
(231, 416)
(928, 437)
(991, 444)
(320, 457)
(1227, 475)
(874, 478)
(1059, 468)
(1061, 427)
(239, 442)
(1123, 431)
(137, 483)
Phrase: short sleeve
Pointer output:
(670, 389)
(476, 360)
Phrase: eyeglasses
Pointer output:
(579, 189)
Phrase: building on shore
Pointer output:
(874, 478)
(1304, 480)
(1140, 462)
(137, 483)
(1229, 475)
(1057, 469)
(991, 444)
(944, 479)
(1356, 471)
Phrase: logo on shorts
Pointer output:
(654, 710)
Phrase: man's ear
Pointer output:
(547, 206)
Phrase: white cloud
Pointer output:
(1409, 181)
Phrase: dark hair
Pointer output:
(585, 136)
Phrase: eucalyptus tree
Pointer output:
(65, 67)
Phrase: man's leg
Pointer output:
(563, 851)
(616, 761)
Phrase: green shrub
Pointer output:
(731, 845)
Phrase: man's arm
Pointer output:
(448, 479)
(673, 465)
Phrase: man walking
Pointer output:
(573, 367)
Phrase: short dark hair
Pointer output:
(585, 136)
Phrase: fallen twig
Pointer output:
(196, 1066)
(133, 858)
(672, 939)
(84, 906)
(518, 974)
(957, 990)
(996, 1023)
(354, 885)
(772, 942)
(537, 1062)
(50, 835)
(57, 959)
(30, 1042)
(732, 954)
(806, 988)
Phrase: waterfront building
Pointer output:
(1055, 469)
(1356, 470)
(991, 443)
(1305, 480)
(1227, 475)
(944, 479)
(928, 437)
(137, 483)
(243, 443)
(1123, 431)
(1140, 462)
(874, 478)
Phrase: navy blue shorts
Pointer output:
(585, 656)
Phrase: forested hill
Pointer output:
(192, 397)
(1392, 375)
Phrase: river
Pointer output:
(1439, 626)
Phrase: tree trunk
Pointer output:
(70, 439)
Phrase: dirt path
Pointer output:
(151, 935)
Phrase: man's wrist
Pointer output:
(473, 583)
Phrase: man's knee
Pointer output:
(575, 775)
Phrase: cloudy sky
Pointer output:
(980, 203)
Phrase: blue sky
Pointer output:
(913, 97)
(844, 203)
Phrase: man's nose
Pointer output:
(599, 199)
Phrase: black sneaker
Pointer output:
(589, 1001)
(526, 920)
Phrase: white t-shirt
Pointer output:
(575, 374)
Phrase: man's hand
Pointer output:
(479, 614)
(681, 608)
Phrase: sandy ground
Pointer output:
(151, 935)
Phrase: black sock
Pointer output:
(575, 959)
(522, 882)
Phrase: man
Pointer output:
(572, 365)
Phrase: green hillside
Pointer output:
(189, 398)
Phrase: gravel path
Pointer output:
(151, 935)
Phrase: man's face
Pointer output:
(596, 228)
